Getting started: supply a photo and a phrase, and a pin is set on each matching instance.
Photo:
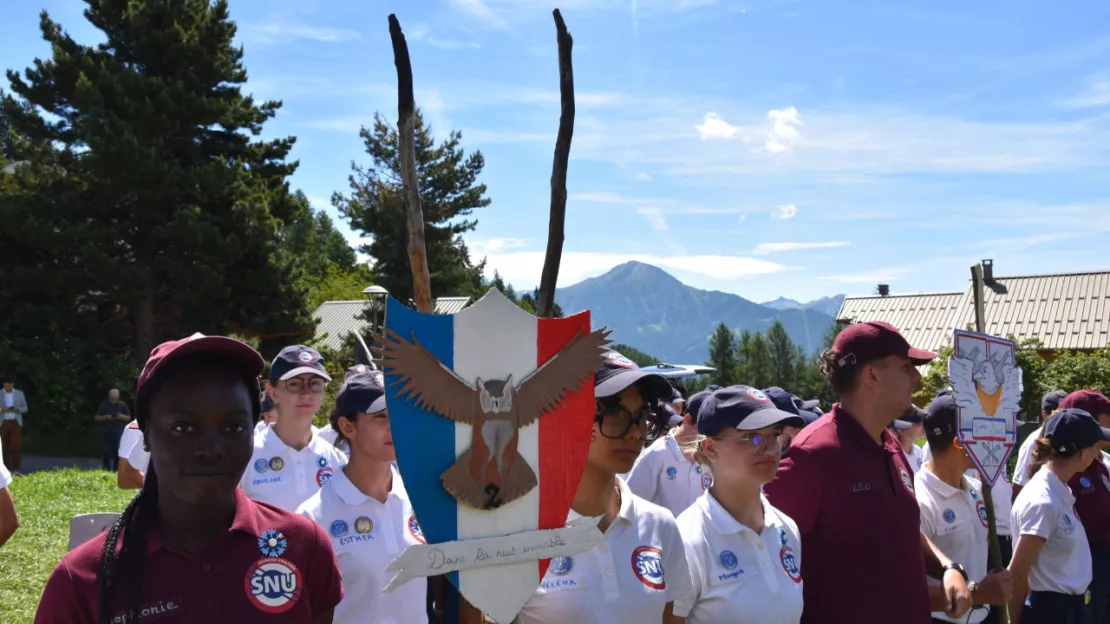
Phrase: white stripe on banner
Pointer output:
(492, 341)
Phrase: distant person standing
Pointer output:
(11, 426)
(112, 416)
(9, 519)
(907, 437)
(1050, 402)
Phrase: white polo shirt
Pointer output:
(5, 476)
(138, 457)
(740, 576)
(664, 476)
(284, 477)
(1046, 508)
(955, 520)
(1002, 495)
(630, 577)
(367, 535)
(1025, 457)
(130, 437)
(916, 458)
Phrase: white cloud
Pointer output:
(784, 132)
(654, 218)
(495, 245)
(479, 10)
(742, 218)
(770, 248)
(880, 276)
(713, 127)
(319, 202)
(278, 33)
(423, 34)
(523, 268)
(643, 177)
(665, 204)
(1096, 95)
(785, 211)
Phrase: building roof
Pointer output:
(338, 318)
(1063, 310)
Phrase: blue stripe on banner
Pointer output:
(424, 440)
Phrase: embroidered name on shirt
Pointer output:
(265, 480)
(861, 486)
(731, 575)
(153, 612)
(559, 584)
(351, 539)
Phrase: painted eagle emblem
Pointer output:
(490, 473)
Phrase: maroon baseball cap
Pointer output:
(1091, 401)
(199, 343)
(874, 340)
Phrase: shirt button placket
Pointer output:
(608, 567)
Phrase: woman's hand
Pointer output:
(996, 588)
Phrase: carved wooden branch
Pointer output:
(406, 121)
(545, 303)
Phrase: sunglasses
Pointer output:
(761, 444)
(315, 385)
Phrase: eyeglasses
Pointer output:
(616, 421)
(316, 384)
(760, 444)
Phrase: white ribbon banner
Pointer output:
(434, 559)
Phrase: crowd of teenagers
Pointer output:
(761, 509)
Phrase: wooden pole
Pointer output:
(988, 496)
(545, 302)
(406, 122)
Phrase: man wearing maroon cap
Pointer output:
(848, 486)
(1092, 503)
(191, 547)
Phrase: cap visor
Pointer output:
(809, 416)
(920, 356)
(653, 386)
(377, 406)
(674, 421)
(304, 370)
(770, 417)
(901, 425)
(811, 404)
(1105, 434)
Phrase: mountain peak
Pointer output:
(637, 272)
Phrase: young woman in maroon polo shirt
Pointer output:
(191, 547)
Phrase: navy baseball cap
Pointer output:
(676, 396)
(941, 417)
(695, 401)
(361, 392)
(297, 360)
(914, 415)
(1071, 430)
(744, 408)
(266, 402)
(618, 372)
(1051, 400)
(782, 399)
(674, 419)
(900, 425)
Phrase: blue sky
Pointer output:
(762, 148)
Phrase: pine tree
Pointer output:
(722, 355)
(165, 199)
(449, 190)
(781, 354)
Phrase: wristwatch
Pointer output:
(972, 587)
(957, 567)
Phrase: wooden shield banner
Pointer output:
(526, 477)
(987, 386)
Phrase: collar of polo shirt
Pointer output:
(942, 489)
(727, 525)
(353, 496)
(626, 513)
(847, 424)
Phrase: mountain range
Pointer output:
(651, 310)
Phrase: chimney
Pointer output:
(988, 271)
(884, 290)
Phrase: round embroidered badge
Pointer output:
(647, 565)
(273, 585)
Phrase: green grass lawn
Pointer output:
(46, 501)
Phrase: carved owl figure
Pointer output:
(490, 473)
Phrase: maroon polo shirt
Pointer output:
(854, 505)
(296, 580)
(1092, 502)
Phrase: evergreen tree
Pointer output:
(449, 191)
(149, 175)
(781, 354)
(722, 355)
(634, 354)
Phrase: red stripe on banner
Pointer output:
(564, 433)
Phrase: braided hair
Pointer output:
(125, 544)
